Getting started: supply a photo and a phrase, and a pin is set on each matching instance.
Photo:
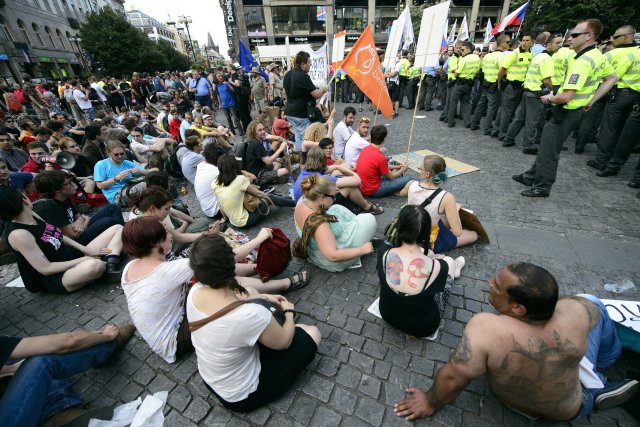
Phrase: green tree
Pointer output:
(560, 15)
(174, 59)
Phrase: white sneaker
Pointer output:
(459, 262)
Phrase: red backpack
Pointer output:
(273, 255)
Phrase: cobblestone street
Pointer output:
(586, 233)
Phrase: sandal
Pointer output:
(373, 209)
(298, 281)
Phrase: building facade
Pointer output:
(268, 22)
(39, 37)
(153, 28)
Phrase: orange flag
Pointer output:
(363, 66)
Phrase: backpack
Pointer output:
(13, 103)
(93, 95)
(172, 166)
(273, 255)
(68, 95)
(391, 232)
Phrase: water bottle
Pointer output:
(290, 180)
(183, 190)
(626, 286)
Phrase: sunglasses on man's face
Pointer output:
(576, 35)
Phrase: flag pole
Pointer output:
(518, 33)
(375, 117)
(415, 107)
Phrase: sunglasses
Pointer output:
(117, 154)
(620, 35)
(576, 35)
(333, 196)
(364, 120)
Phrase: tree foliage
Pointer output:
(560, 15)
(118, 48)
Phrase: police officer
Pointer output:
(490, 98)
(578, 93)
(514, 67)
(560, 64)
(451, 65)
(468, 67)
(625, 60)
(403, 75)
(428, 91)
(628, 137)
(531, 112)
(412, 86)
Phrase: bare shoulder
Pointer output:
(579, 306)
(20, 237)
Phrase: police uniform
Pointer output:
(516, 64)
(468, 67)
(451, 65)
(560, 64)
(626, 63)
(428, 91)
(403, 78)
(412, 86)
(584, 75)
(531, 112)
(490, 98)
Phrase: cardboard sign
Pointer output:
(626, 313)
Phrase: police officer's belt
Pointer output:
(515, 84)
(537, 93)
(460, 81)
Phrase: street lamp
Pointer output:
(76, 40)
(186, 20)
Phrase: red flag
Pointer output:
(363, 66)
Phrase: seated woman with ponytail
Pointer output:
(156, 201)
(245, 356)
(443, 209)
(336, 238)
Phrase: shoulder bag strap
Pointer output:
(312, 222)
(429, 199)
(194, 326)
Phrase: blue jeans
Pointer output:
(41, 387)
(603, 350)
(390, 186)
(104, 218)
(204, 100)
(299, 126)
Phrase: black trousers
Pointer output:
(461, 93)
(427, 93)
(615, 115)
(629, 136)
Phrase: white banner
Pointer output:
(407, 34)
(337, 53)
(319, 66)
(487, 33)
(463, 35)
(452, 34)
(393, 45)
(432, 27)
(625, 312)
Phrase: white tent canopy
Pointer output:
(273, 53)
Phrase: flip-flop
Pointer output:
(297, 281)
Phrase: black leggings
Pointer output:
(279, 368)
(264, 210)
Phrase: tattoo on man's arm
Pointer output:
(462, 354)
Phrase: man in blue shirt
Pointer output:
(428, 90)
(113, 175)
(202, 89)
(14, 179)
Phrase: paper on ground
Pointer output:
(149, 413)
(420, 117)
(15, 283)
(375, 308)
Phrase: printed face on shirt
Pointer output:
(35, 153)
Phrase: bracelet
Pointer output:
(115, 179)
(289, 310)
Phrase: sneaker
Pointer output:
(459, 263)
(269, 190)
(616, 393)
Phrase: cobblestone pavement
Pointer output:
(586, 233)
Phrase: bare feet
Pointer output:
(415, 406)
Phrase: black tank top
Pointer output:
(49, 239)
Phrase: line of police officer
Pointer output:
(574, 86)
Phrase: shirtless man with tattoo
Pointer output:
(531, 352)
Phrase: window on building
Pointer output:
(385, 16)
(351, 19)
(61, 38)
(6, 30)
(36, 31)
(47, 31)
(299, 20)
(254, 17)
(47, 6)
(23, 30)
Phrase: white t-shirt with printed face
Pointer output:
(227, 350)
(341, 135)
(354, 146)
(156, 304)
(206, 173)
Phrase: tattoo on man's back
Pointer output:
(462, 354)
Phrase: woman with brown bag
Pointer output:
(233, 189)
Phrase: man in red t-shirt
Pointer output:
(378, 178)
(35, 165)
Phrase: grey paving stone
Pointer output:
(370, 411)
(302, 409)
(325, 417)
(343, 400)
(259, 416)
(218, 417)
(197, 409)
(369, 386)
(319, 388)
(348, 376)
(179, 398)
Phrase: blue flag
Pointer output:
(247, 61)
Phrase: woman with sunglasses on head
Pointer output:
(341, 237)
(47, 260)
(245, 356)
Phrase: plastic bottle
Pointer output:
(626, 286)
